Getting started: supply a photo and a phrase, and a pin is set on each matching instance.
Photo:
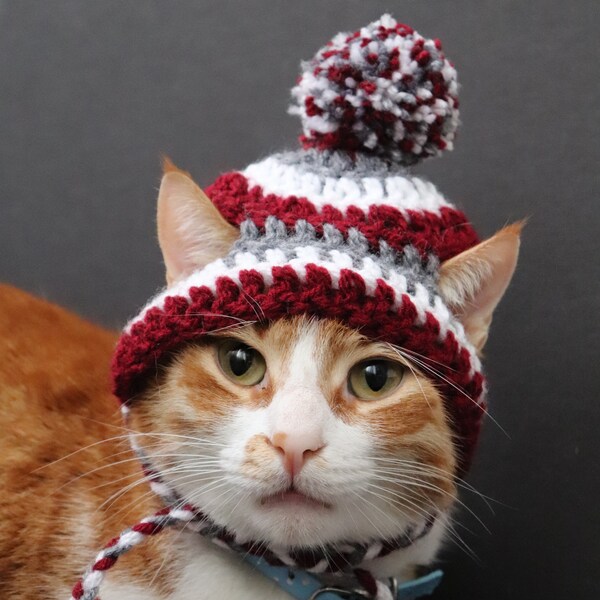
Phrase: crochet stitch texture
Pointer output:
(339, 229)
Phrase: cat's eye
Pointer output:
(374, 379)
(241, 363)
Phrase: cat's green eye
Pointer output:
(241, 363)
(374, 379)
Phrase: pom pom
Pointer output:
(384, 90)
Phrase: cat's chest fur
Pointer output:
(196, 570)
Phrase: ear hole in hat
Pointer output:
(191, 231)
(473, 282)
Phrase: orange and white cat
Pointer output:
(356, 425)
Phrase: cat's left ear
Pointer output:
(191, 231)
(473, 282)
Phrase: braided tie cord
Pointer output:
(88, 586)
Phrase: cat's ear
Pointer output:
(191, 231)
(473, 282)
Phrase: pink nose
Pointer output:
(296, 450)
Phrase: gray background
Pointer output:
(93, 92)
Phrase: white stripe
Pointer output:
(220, 543)
(94, 579)
(422, 304)
(401, 192)
(285, 558)
(373, 551)
(130, 538)
(159, 488)
(338, 261)
(181, 514)
(319, 567)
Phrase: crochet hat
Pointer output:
(339, 229)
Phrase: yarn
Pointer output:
(384, 89)
(444, 233)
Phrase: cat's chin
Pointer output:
(292, 499)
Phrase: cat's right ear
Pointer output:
(191, 231)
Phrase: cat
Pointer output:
(70, 481)
(307, 389)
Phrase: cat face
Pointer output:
(301, 432)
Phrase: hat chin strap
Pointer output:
(340, 559)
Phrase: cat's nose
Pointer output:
(296, 449)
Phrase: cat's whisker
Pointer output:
(121, 427)
(411, 482)
(214, 485)
(441, 376)
(115, 497)
(238, 320)
(225, 484)
(256, 547)
(402, 475)
(256, 307)
(460, 542)
(150, 493)
(92, 471)
(111, 465)
(408, 481)
(126, 451)
(437, 472)
(400, 501)
(418, 355)
(129, 452)
(419, 474)
(417, 379)
(350, 514)
(113, 482)
(387, 517)
(368, 519)
(75, 452)
(159, 434)
(408, 469)
(452, 532)
(242, 499)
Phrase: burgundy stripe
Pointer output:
(367, 580)
(444, 235)
(148, 528)
(77, 591)
(104, 563)
(164, 330)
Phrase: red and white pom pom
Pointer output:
(384, 90)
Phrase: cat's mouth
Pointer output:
(292, 498)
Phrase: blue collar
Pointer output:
(304, 586)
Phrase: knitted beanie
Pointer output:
(339, 229)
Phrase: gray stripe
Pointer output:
(341, 164)
(277, 236)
